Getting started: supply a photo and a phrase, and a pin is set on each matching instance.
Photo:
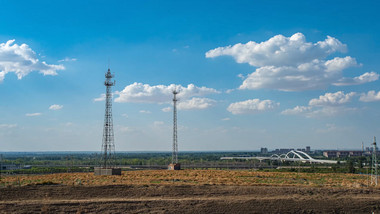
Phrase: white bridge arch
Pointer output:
(290, 156)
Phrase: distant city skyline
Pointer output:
(268, 74)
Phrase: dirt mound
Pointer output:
(187, 199)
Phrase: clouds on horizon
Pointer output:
(102, 97)
(329, 104)
(252, 106)
(364, 78)
(283, 63)
(145, 93)
(370, 96)
(21, 60)
(292, 64)
(196, 103)
(33, 114)
(332, 99)
(67, 59)
(316, 112)
(166, 109)
(189, 97)
(55, 107)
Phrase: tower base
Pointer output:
(174, 166)
(107, 171)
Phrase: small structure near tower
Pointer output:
(107, 165)
(175, 165)
(374, 164)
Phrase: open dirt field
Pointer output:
(198, 192)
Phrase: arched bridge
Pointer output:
(290, 156)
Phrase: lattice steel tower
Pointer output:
(374, 164)
(175, 139)
(108, 146)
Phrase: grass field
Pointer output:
(192, 177)
(189, 191)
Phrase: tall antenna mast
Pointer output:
(108, 146)
(175, 165)
(107, 162)
(175, 137)
(374, 164)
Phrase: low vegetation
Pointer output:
(192, 177)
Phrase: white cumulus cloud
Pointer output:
(315, 112)
(55, 107)
(329, 104)
(33, 114)
(370, 96)
(364, 78)
(317, 74)
(252, 106)
(145, 93)
(196, 103)
(297, 110)
(336, 98)
(241, 76)
(330, 111)
(280, 51)
(293, 64)
(166, 109)
(67, 59)
(101, 98)
(21, 60)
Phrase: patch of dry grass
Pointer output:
(192, 177)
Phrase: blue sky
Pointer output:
(276, 74)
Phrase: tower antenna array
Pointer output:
(374, 164)
(175, 165)
(108, 146)
(107, 164)
(175, 136)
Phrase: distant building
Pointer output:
(264, 150)
(282, 151)
(356, 153)
(308, 150)
(330, 154)
(341, 154)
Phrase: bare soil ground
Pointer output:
(189, 191)
(187, 199)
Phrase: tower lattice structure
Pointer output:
(108, 145)
(175, 136)
(374, 164)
